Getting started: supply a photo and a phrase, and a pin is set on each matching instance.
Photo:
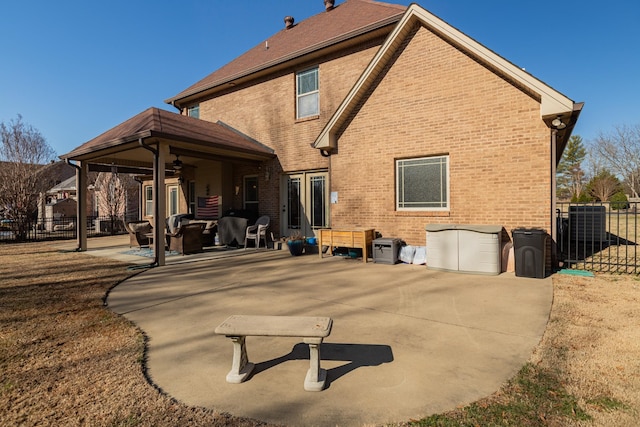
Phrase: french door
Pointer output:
(305, 203)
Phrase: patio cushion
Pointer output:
(208, 223)
(140, 227)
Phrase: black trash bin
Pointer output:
(529, 245)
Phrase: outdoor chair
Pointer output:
(138, 232)
(257, 231)
(187, 239)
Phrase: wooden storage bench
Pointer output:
(311, 329)
(347, 238)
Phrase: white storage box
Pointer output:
(465, 248)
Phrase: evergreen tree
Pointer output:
(570, 177)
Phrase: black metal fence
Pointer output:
(599, 237)
(57, 228)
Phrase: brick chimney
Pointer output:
(288, 22)
(328, 4)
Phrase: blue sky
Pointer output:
(74, 69)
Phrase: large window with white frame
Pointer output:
(422, 184)
(307, 93)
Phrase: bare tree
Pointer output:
(112, 190)
(23, 175)
(620, 150)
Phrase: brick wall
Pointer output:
(436, 100)
(266, 112)
(432, 100)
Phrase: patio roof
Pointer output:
(186, 135)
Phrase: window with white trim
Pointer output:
(148, 200)
(422, 184)
(307, 94)
(172, 200)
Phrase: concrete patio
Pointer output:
(406, 341)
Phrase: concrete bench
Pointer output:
(311, 329)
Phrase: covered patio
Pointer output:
(155, 142)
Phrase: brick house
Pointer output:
(367, 114)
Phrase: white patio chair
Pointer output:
(257, 231)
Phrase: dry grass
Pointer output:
(67, 360)
(593, 344)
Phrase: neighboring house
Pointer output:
(63, 190)
(366, 115)
(109, 194)
(58, 204)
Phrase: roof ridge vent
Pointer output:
(329, 5)
(288, 22)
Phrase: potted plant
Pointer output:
(295, 243)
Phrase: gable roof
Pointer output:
(162, 124)
(552, 104)
(68, 184)
(345, 21)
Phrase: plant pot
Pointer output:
(296, 247)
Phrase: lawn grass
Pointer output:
(535, 396)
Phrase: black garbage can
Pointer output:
(529, 245)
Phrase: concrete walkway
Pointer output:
(406, 341)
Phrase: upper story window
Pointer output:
(422, 184)
(194, 111)
(307, 94)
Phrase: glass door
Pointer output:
(305, 206)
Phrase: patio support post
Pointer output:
(81, 192)
(159, 204)
(552, 227)
(81, 202)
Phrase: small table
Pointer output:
(360, 238)
(151, 237)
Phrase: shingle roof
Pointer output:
(346, 20)
(68, 184)
(155, 122)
